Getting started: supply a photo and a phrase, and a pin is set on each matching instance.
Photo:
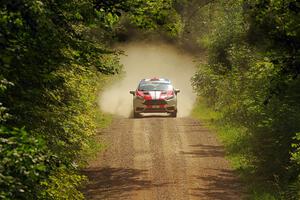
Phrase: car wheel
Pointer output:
(136, 115)
(174, 114)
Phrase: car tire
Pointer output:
(136, 115)
(174, 114)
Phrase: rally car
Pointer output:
(156, 95)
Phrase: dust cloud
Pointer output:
(147, 60)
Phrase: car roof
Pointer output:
(159, 80)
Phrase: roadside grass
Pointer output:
(94, 144)
(237, 143)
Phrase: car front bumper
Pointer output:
(155, 106)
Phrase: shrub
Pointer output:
(24, 163)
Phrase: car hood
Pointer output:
(155, 95)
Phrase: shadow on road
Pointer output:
(216, 184)
(205, 151)
(115, 183)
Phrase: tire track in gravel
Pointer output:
(161, 158)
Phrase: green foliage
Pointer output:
(154, 14)
(24, 163)
(294, 187)
(149, 15)
(275, 23)
(3, 110)
(53, 61)
(58, 188)
(252, 79)
(296, 152)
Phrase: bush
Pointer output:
(24, 163)
(252, 78)
(58, 188)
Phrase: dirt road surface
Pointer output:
(159, 158)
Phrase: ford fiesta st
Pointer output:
(156, 95)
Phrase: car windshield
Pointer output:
(155, 86)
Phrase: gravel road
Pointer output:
(157, 158)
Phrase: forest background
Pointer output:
(55, 57)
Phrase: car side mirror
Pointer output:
(177, 91)
(132, 92)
